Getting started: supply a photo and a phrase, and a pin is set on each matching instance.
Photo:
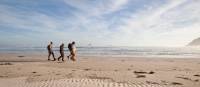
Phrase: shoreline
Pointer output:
(147, 52)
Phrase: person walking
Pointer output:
(50, 51)
(72, 49)
(73, 52)
(61, 52)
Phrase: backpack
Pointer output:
(70, 46)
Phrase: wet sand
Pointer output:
(19, 70)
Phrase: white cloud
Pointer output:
(159, 25)
(162, 25)
(22, 20)
(97, 7)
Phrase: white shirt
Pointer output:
(73, 47)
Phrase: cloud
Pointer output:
(101, 22)
(97, 7)
(158, 26)
(23, 20)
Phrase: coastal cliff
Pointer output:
(195, 42)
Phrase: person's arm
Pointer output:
(51, 46)
(74, 47)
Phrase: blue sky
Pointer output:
(99, 22)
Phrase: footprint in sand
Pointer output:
(140, 76)
(34, 72)
(51, 82)
(197, 75)
(87, 69)
(142, 72)
(176, 83)
(116, 70)
(189, 79)
(129, 69)
(73, 70)
(20, 56)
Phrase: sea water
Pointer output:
(162, 52)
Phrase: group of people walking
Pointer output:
(71, 47)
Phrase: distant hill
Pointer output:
(195, 42)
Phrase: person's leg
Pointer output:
(62, 56)
(69, 56)
(73, 56)
(59, 58)
(53, 56)
(49, 54)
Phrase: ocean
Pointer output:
(149, 52)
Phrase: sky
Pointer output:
(32, 23)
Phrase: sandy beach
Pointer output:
(118, 43)
(31, 70)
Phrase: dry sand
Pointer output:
(17, 70)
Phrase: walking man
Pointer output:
(72, 49)
(61, 52)
(50, 51)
